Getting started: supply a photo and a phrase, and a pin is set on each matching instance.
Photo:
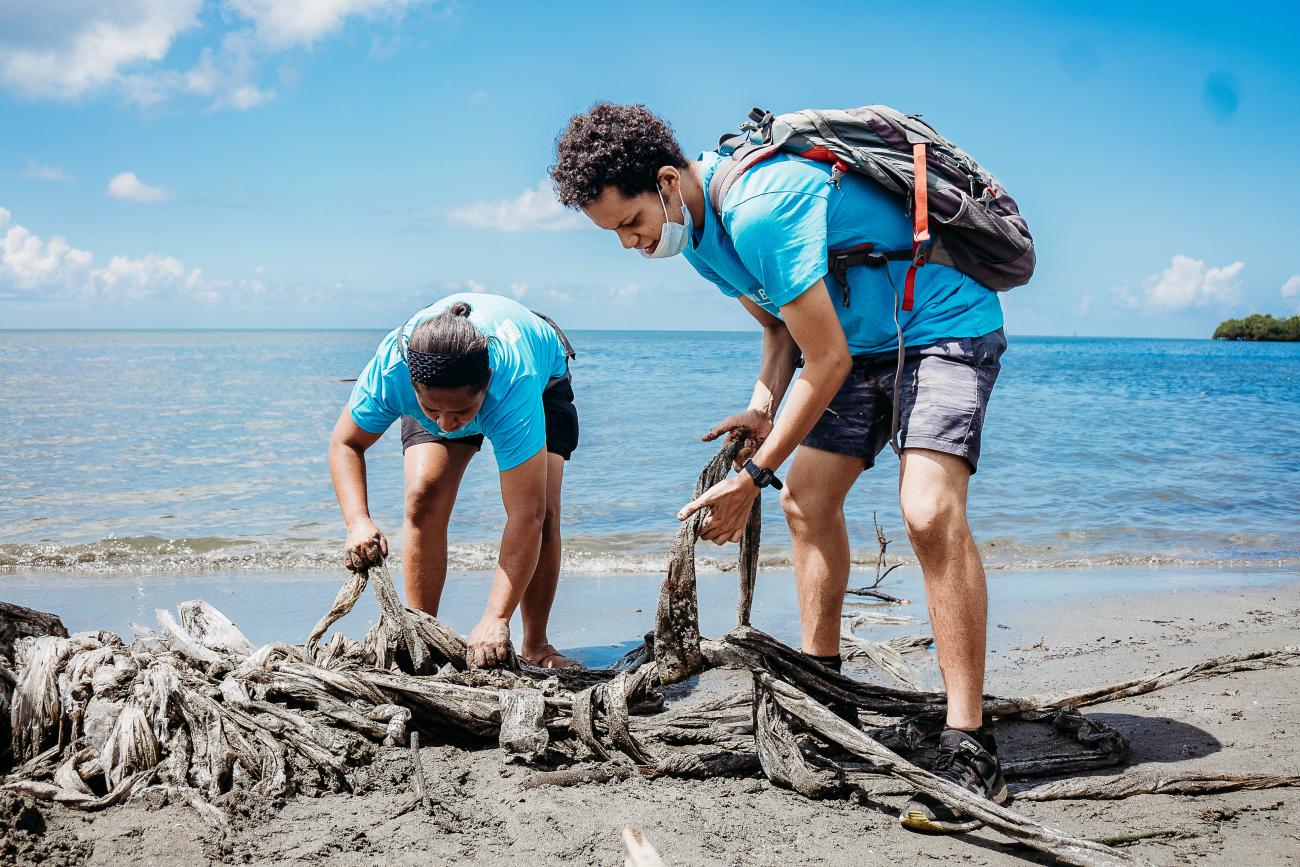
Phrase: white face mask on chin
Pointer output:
(675, 236)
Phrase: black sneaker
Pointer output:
(969, 759)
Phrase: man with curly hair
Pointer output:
(766, 245)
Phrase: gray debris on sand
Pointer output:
(192, 715)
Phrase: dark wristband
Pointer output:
(763, 478)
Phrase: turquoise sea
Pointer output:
(139, 451)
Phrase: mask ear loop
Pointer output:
(663, 203)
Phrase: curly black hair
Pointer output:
(622, 146)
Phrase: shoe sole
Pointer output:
(917, 820)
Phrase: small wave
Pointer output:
(155, 555)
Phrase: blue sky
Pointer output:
(339, 163)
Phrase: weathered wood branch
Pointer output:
(1152, 783)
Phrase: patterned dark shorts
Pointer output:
(944, 393)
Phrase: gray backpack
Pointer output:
(978, 228)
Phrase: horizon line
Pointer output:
(385, 329)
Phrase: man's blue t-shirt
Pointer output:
(779, 220)
(524, 353)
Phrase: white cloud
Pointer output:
(32, 268)
(126, 185)
(135, 279)
(226, 76)
(1186, 283)
(519, 290)
(626, 294)
(67, 49)
(286, 23)
(1124, 297)
(1291, 291)
(534, 209)
(37, 172)
(560, 296)
(28, 263)
(476, 286)
(62, 49)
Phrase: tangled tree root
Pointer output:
(194, 711)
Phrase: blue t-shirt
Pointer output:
(779, 220)
(524, 356)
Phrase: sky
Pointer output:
(341, 163)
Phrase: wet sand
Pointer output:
(1048, 632)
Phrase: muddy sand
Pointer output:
(1246, 722)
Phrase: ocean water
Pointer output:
(152, 452)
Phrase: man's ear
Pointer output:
(668, 178)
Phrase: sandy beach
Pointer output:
(1078, 637)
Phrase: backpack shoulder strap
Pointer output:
(726, 174)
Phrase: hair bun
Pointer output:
(460, 308)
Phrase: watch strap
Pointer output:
(762, 477)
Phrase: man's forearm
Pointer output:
(521, 543)
(776, 371)
(808, 400)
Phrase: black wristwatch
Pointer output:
(762, 477)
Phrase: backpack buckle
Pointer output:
(839, 268)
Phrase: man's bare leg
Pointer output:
(432, 474)
(932, 489)
(535, 607)
(813, 500)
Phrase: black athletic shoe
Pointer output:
(969, 759)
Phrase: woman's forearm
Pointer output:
(348, 472)
(521, 544)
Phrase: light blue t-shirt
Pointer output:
(524, 352)
(779, 220)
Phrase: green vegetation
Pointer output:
(1259, 326)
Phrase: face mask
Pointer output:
(674, 237)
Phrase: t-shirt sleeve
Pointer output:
(713, 277)
(781, 239)
(518, 429)
(374, 405)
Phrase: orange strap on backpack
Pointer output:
(920, 222)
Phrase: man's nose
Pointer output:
(630, 240)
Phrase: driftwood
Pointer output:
(1071, 850)
(1152, 783)
(193, 709)
(579, 776)
(420, 784)
(677, 621)
(18, 622)
(873, 589)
